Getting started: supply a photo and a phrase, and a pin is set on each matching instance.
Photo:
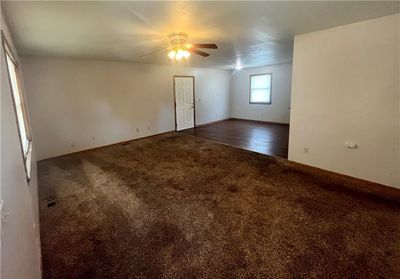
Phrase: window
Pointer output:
(260, 89)
(19, 106)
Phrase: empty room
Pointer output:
(200, 139)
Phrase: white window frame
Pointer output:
(24, 135)
(270, 89)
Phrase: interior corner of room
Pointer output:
(186, 138)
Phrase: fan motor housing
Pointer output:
(178, 39)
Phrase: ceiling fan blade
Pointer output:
(214, 46)
(199, 52)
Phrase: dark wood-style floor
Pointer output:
(266, 138)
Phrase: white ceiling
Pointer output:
(253, 33)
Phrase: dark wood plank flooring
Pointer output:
(266, 138)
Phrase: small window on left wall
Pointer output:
(19, 107)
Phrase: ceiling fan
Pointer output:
(180, 48)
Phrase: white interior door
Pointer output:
(184, 102)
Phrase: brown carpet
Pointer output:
(176, 206)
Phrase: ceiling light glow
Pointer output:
(239, 66)
(178, 54)
(186, 54)
(172, 54)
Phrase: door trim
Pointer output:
(194, 100)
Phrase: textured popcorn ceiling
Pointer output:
(251, 33)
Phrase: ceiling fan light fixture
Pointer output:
(181, 49)
(179, 54)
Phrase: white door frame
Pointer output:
(194, 101)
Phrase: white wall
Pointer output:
(20, 240)
(346, 87)
(78, 104)
(278, 110)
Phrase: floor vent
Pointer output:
(51, 202)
